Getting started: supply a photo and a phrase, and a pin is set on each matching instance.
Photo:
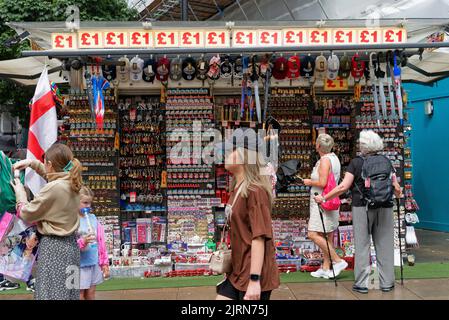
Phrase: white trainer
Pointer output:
(320, 273)
(338, 268)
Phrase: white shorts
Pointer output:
(90, 276)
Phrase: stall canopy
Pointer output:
(426, 68)
(27, 70)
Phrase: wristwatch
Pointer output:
(255, 277)
(324, 200)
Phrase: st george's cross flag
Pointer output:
(43, 130)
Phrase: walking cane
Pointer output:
(327, 242)
(398, 203)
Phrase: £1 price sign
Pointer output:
(394, 35)
(244, 38)
(370, 36)
(90, 39)
(294, 37)
(217, 39)
(166, 39)
(269, 38)
(344, 36)
(141, 39)
(319, 37)
(63, 41)
(191, 39)
(116, 39)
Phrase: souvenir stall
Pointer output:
(142, 103)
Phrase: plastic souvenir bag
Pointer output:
(18, 249)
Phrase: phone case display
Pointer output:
(110, 225)
(190, 181)
(142, 155)
(96, 149)
(333, 113)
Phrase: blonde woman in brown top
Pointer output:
(55, 212)
(254, 270)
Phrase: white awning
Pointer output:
(29, 67)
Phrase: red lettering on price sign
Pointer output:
(166, 39)
(394, 35)
(63, 41)
(90, 39)
(244, 38)
(272, 38)
(338, 84)
(344, 36)
(370, 36)
(217, 39)
(191, 39)
(319, 37)
(116, 39)
(141, 39)
(295, 37)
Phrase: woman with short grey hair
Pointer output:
(328, 164)
(367, 222)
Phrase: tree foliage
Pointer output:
(14, 97)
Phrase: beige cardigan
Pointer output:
(55, 208)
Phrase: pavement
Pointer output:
(426, 289)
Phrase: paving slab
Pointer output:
(320, 291)
(429, 289)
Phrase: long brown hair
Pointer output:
(60, 156)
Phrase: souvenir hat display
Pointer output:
(169, 203)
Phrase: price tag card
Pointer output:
(339, 84)
(64, 41)
(116, 39)
(370, 36)
(218, 39)
(191, 39)
(269, 38)
(244, 38)
(166, 39)
(141, 39)
(320, 37)
(295, 37)
(394, 35)
(90, 40)
(344, 36)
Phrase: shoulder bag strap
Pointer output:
(228, 218)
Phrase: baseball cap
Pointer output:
(214, 68)
(280, 68)
(176, 69)
(202, 67)
(238, 67)
(188, 68)
(345, 67)
(163, 69)
(293, 67)
(149, 70)
(320, 67)
(358, 67)
(333, 65)
(136, 68)
(123, 71)
(307, 66)
(109, 72)
(226, 67)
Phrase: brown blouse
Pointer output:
(251, 218)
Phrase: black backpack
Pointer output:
(377, 171)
